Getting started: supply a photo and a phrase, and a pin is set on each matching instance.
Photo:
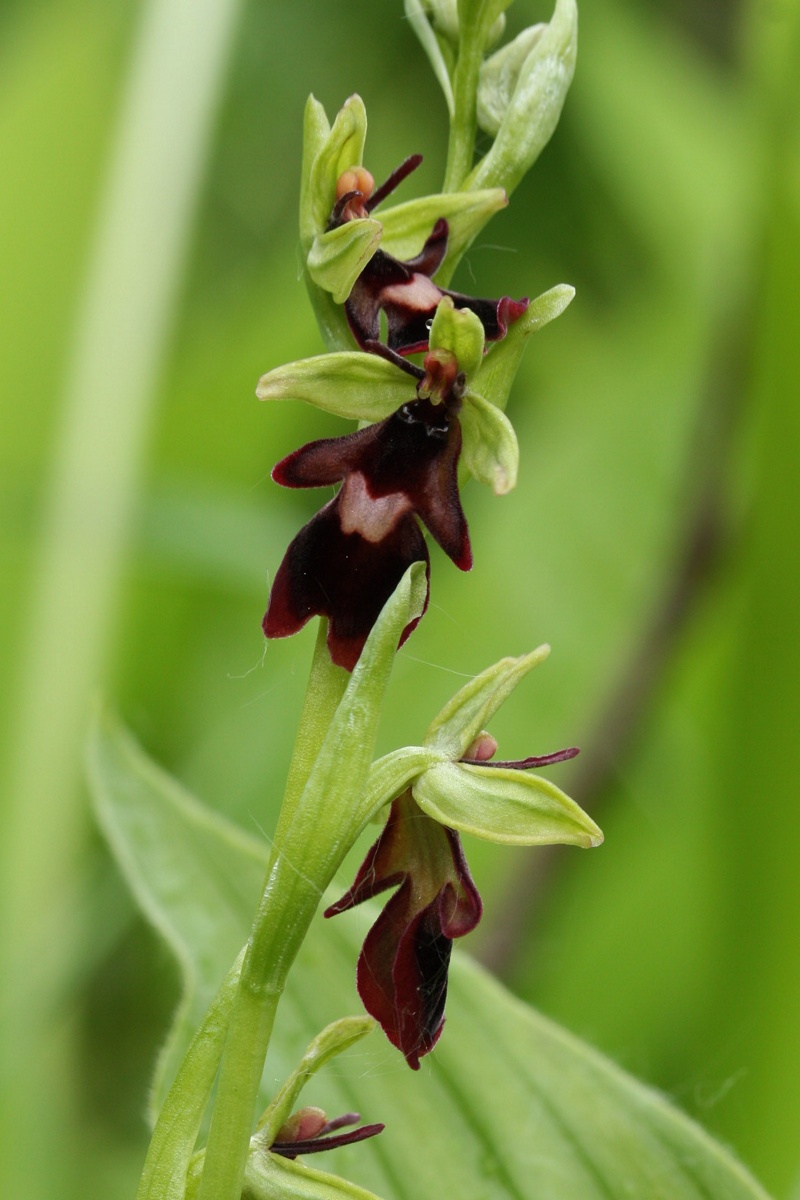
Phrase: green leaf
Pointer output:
(172, 851)
(503, 805)
(338, 256)
(499, 367)
(508, 1103)
(474, 705)
(363, 387)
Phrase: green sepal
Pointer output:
(407, 225)
(316, 131)
(343, 148)
(272, 1177)
(338, 256)
(334, 1039)
(499, 77)
(496, 373)
(391, 775)
(362, 387)
(461, 332)
(535, 105)
(490, 450)
(432, 45)
(470, 710)
(500, 804)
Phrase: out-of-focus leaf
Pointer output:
(511, 1105)
(173, 851)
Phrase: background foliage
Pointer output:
(147, 245)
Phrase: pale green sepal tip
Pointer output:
(316, 130)
(360, 387)
(502, 805)
(338, 256)
(535, 106)
(406, 226)
(470, 710)
(490, 451)
(417, 19)
(272, 1177)
(461, 332)
(500, 365)
(343, 148)
(334, 1039)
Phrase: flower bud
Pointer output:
(521, 93)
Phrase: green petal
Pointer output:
(338, 256)
(490, 450)
(350, 384)
(496, 374)
(535, 106)
(406, 226)
(461, 332)
(471, 709)
(500, 804)
(343, 148)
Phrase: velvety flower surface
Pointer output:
(346, 562)
(402, 969)
(404, 289)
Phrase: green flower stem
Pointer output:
(461, 149)
(317, 826)
(287, 906)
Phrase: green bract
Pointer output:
(271, 1176)
(498, 804)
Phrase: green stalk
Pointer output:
(461, 148)
(321, 819)
(288, 904)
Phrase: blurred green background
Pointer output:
(150, 158)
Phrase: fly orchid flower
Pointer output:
(404, 289)
(448, 785)
(349, 558)
(353, 258)
(402, 969)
